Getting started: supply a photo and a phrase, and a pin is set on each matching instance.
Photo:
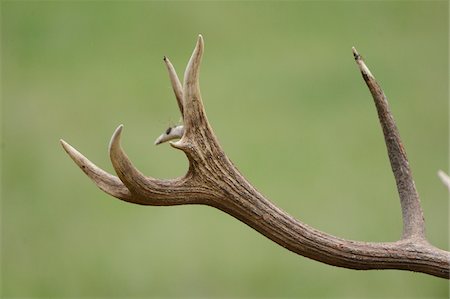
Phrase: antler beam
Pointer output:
(213, 180)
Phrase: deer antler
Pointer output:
(213, 180)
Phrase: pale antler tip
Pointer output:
(63, 143)
(361, 64)
(167, 60)
(356, 54)
(444, 178)
(75, 155)
(167, 63)
(200, 41)
(119, 128)
(67, 147)
(115, 139)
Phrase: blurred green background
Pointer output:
(288, 105)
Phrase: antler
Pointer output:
(213, 180)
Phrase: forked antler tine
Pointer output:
(149, 190)
(105, 181)
(176, 84)
(413, 221)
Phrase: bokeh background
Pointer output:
(288, 105)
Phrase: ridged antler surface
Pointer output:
(213, 180)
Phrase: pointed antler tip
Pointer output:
(356, 54)
(361, 64)
(200, 41)
(115, 139)
(67, 147)
(75, 155)
(118, 131)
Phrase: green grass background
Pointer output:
(289, 107)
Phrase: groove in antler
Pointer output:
(413, 220)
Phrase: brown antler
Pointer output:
(213, 180)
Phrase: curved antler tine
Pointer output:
(106, 182)
(150, 191)
(176, 84)
(413, 220)
(194, 113)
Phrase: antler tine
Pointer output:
(106, 182)
(194, 113)
(176, 84)
(413, 220)
(177, 131)
(151, 191)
